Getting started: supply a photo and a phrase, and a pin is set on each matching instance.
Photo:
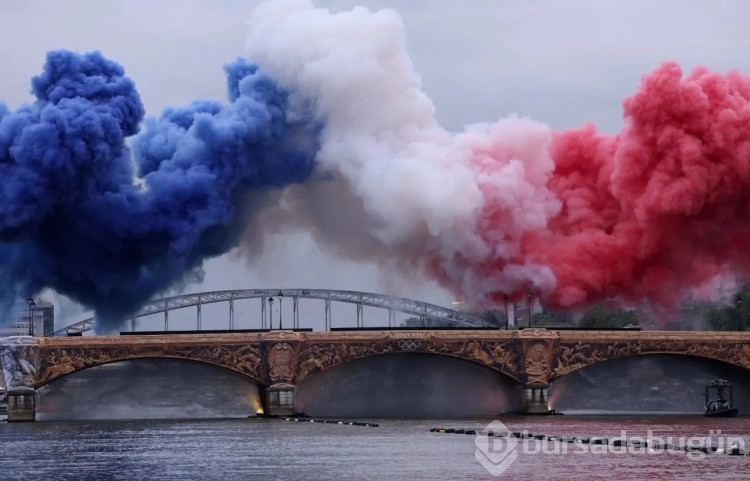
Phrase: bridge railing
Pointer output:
(392, 304)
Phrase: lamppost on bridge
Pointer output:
(32, 305)
(270, 313)
(281, 298)
(528, 296)
(505, 299)
(739, 312)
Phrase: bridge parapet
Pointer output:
(621, 335)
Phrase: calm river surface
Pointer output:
(397, 449)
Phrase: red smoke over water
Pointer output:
(655, 210)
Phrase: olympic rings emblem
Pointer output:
(409, 344)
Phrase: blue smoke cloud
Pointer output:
(83, 214)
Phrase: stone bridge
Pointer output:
(279, 360)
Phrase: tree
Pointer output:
(599, 316)
(551, 319)
(427, 322)
(732, 317)
(494, 317)
(721, 319)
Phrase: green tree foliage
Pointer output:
(733, 317)
(728, 317)
(551, 319)
(601, 317)
(494, 317)
(427, 322)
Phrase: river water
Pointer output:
(397, 449)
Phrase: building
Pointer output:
(42, 313)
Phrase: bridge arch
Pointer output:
(573, 358)
(653, 382)
(392, 304)
(501, 357)
(505, 373)
(406, 384)
(243, 360)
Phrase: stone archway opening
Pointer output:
(152, 388)
(399, 385)
(649, 383)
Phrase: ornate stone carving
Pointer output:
(571, 356)
(18, 361)
(282, 362)
(537, 362)
(502, 356)
(528, 356)
(57, 362)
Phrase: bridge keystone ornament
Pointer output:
(538, 348)
(282, 361)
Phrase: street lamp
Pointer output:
(739, 312)
(505, 299)
(528, 296)
(281, 298)
(32, 305)
(270, 313)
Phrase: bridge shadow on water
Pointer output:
(659, 383)
(386, 386)
(149, 389)
(407, 385)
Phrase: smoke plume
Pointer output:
(448, 203)
(661, 207)
(499, 208)
(327, 130)
(82, 214)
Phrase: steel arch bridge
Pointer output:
(419, 309)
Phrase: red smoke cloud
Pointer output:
(659, 208)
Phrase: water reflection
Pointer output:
(398, 449)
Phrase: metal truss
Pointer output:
(419, 309)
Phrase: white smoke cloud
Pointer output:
(401, 189)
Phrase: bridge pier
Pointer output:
(21, 404)
(278, 400)
(536, 399)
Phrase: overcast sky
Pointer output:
(563, 63)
